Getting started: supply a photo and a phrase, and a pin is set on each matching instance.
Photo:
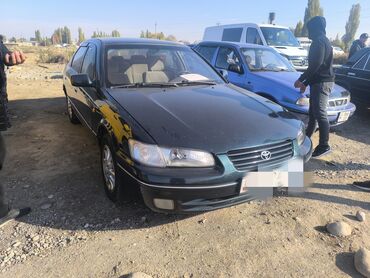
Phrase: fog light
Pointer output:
(164, 204)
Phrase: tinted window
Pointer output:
(226, 57)
(253, 36)
(88, 66)
(232, 34)
(207, 52)
(367, 67)
(78, 59)
(361, 63)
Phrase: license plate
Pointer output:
(275, 177)
(343, 116)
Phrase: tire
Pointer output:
(116, 185)
(71, 113)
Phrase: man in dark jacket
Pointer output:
(7, 58)
(320, 76)
(358, 44)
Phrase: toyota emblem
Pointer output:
(266, 155)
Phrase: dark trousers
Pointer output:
(4, 208)
(319, 96)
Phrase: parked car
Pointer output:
(278, 37)
(263, 71)
(169, 124)
(337, 51)
(305, 42)
(355, 76)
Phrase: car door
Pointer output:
(358, 78)
(227, 56)
(89, 95)
(75, 68)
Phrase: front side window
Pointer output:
(88, 66)
(78, 59)
(263, 59)
(207, 52)
(232, 34)
(153, 64)
(279, 37)
(253, 36)
(226, 57)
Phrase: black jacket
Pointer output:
(320, 57)
(4, 120)
(356, 46)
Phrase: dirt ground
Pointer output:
(75, 231)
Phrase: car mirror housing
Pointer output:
(224, 74)
(236, 68)
(81, 80)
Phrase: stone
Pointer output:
(35, 238)
(339, 228)
(46, 206)
(361, 216)
(138, 275)
(362, 262)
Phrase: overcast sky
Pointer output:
(184, 19)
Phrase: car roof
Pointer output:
(235, 44)
(118, 41)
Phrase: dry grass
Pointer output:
(55, 55)
(340, 60)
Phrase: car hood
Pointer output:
(287, 79)
(213, 118)
(291, 51)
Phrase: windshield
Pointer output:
(157, 65)
(279, 37)
(263, 59)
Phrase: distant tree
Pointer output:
(115, 34)
(38, 36)
(352, 25)
(142, 34)
(298, 29)
(81, 35)
(66, 36)
(313, 9)
(99, 34)
(2, 38)
(13, 39)
(171, 38)
(338, 42)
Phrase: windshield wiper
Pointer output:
(144, 85)
(194, 83)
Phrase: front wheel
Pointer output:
(116, 187)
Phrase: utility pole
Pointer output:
(155, 30)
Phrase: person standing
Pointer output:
(358, 44)
(320, 76)
(7, 58)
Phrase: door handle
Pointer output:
(351, 74)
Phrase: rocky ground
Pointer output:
(75, 231)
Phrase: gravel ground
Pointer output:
(75, 231)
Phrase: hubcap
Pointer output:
(69, 108)
(108, 168)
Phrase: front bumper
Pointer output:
(197, 190)
(333, 114)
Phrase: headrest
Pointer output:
(117, 63)
(157, 66)
(138, 59)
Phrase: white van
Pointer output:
(278, 37)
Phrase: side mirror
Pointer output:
(236, 68)
(224, 74)
(81, 80)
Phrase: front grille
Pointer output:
(299, 61)
(338, 102)
(251, 158)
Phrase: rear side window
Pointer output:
(207, 52)
(88, 66)
(361, 63)
(232, 34)
(253, 36)
(78, 59)
(226, 57)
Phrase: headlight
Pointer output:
(303, 101)
(153, 155)
(301, 135)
